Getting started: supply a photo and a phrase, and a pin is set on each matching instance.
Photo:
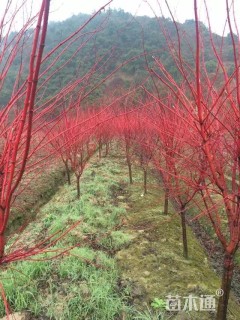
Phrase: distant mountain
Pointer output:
(119, 37)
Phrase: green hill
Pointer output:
(107, 42)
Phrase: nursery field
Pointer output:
(119, 161)
(123, 256)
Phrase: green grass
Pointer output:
(150, 314)
(21, 281)
(80, 286)
(37, 191)
(84, 283)
(91, 291)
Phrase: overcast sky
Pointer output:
(182, 9)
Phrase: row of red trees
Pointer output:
(22, 138)
(159, 135)
(208, 106)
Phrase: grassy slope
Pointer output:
(85, 283)
(38, 192)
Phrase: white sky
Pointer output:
(182, 9)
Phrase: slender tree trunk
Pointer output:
(100, 150)
(107, 149)
(130, 171)
(166, 201)
(145, 181)
(67, 172)
(226, 286)
(2, 238)
(184, 232)
(2, 245)
(129, 163)
(78, 187)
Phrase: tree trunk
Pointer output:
(78, 187)
(166, 200)
(226, 286)
(145, 181)
(68, 173)
(107, 149)
(100, 150)
(2, 245)
(2, 237)
(129, 163)
(184, 233)
(130, 171)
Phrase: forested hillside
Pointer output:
(115, 39)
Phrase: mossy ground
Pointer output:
(154, 260)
